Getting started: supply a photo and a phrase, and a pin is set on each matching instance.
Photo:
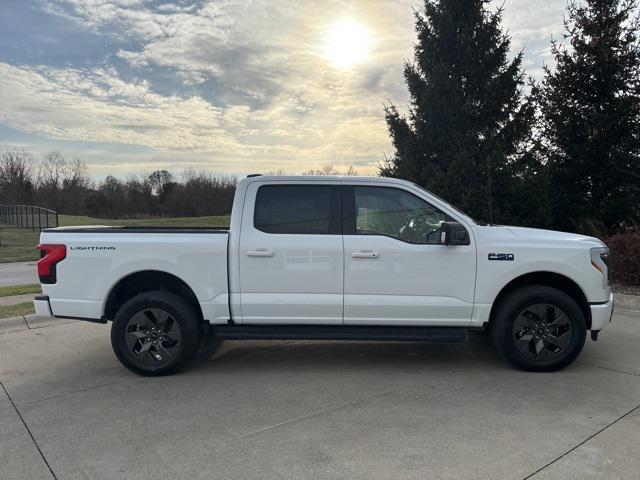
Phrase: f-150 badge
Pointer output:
(501, 256)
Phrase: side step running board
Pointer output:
(338, 332)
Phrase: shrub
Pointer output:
(625, 257)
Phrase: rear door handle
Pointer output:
(365, 254)
(260, 252)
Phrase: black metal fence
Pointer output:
(27, 216)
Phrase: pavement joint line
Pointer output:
(82, 390)
(583, 442)
(38, 327)
(302, 418)
(71, 322)
(44, 459)
(342, 406)
(11, 331)
(609, 368)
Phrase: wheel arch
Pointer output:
(551, 279)
(142, 281)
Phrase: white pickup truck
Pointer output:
(343, 258)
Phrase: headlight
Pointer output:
(600, 261)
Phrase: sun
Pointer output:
(347, 43)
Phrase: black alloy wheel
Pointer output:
(156, 333)
(542, 331)
(538, 328)
(153, 337)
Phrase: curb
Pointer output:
(30, 322)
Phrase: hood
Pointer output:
(546, 235)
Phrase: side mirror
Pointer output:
(454, 233)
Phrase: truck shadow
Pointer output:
(330, 354)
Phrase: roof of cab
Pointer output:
(321, 178)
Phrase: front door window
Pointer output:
(396, 213)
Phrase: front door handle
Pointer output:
(365, 254)
(260, 252)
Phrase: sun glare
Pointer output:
(347, 43)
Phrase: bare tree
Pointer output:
(114, 197)
(329, 169)
(60, 179)
(160, 181)
(201, 193)
(326, 169)
(16, 176)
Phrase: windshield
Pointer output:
(448, 204)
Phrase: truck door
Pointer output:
(396, 270)
(290, 253)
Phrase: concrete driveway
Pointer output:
(321, 410)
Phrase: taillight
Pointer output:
(50, 255)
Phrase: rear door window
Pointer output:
(298, 209)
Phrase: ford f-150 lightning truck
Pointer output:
(343, 258)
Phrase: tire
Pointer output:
(155, 333)
(538, 329)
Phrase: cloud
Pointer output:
(235, 82)
(98, 106)
(254, 49)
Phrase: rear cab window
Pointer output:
(298, 209)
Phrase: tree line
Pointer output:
(62, 184)
(561, 152)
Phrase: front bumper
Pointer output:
(601, 313)
(42, 306)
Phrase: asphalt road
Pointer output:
(18, 273)
(319, 410)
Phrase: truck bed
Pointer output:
(99, 257)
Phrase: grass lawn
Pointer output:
(18, 245)
(16, 310)
(19, 290)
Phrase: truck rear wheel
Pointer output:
(155, 333)
(538, 328)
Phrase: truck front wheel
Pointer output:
(538, 328)
(155, 333)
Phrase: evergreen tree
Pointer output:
(468, 125)
(591, 118)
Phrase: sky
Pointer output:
(228, 86)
